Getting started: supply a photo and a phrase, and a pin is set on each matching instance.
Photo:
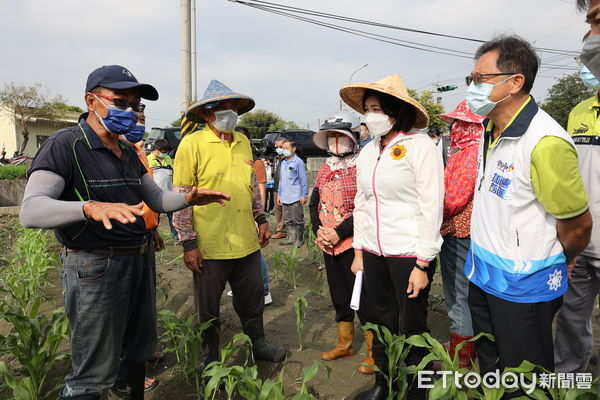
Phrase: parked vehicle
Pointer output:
(302, 138)
(170, 134)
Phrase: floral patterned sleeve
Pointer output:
(182, 220)
(258, 209)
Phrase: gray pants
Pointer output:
(574, 340)
(456, 284)
(293, 214)
(111, 305)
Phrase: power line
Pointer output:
(283, 7)
(368, 35)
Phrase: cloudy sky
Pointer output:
(290, 67)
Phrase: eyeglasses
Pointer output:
(123, 104)
(478, 78)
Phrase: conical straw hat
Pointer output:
(352, 94)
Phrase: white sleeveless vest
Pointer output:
(515, 252)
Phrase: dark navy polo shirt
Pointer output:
(93, 172)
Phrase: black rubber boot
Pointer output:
(291, 239)
(82, 397)
(299, 235)
(262, 350)
(210, 338)
(415, 356)
(377, 392)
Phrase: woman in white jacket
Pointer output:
(397, 216)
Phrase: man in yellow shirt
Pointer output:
(221, 243)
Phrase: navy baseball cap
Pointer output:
(118, 77)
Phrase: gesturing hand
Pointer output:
(201, 197)
(417, 281)
(104, 212)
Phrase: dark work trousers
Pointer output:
(522, 331)
(244, 277)
(385, 284)
(341, 282)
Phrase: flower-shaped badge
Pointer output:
(398, 152)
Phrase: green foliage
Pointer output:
(34, 338)
(176, 123)
(29, 103)
(300, 307)
(315, 254)
(8, 172)
(61, 106)
(287, 264)
(433, 109)
(258, 122)
(261, 121)
(564, 95)
(283, 125)
(184, 338)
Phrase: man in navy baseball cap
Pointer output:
(119, 78)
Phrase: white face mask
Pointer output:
(226, 120)
(378, 124)
(339, 145)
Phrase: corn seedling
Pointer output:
(288, 264)
(184, 338)
(315, 254)
(240, 379)
(34, 342)
(300, 307)
(308, 374)
(34, 338)
(27, 273)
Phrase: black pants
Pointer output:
(385, 285)
(244, 277)
(522, 331)
(341, 282)
(270, 200)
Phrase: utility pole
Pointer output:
(193, 43)
(185, 55)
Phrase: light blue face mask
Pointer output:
(588, 78)
(478, 97)
(279, 150)
(286, 153)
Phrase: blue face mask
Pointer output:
(117, 121)
(286, 153)
(588, 78)
(162, 155)
(136, 134)
(279, 150)
(478, 97)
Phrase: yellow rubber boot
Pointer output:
(344, 344)
(364, 369)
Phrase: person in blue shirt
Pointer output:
(292, 193)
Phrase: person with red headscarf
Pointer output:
(459, 180)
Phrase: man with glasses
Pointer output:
(280, 232)
(530, 213)
(90, 187)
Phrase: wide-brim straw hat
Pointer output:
(462, 112)
(320, 138)
(393, 85)
(215, 92)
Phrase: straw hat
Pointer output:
(215, 92)
(462, 112)
(353, 94)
